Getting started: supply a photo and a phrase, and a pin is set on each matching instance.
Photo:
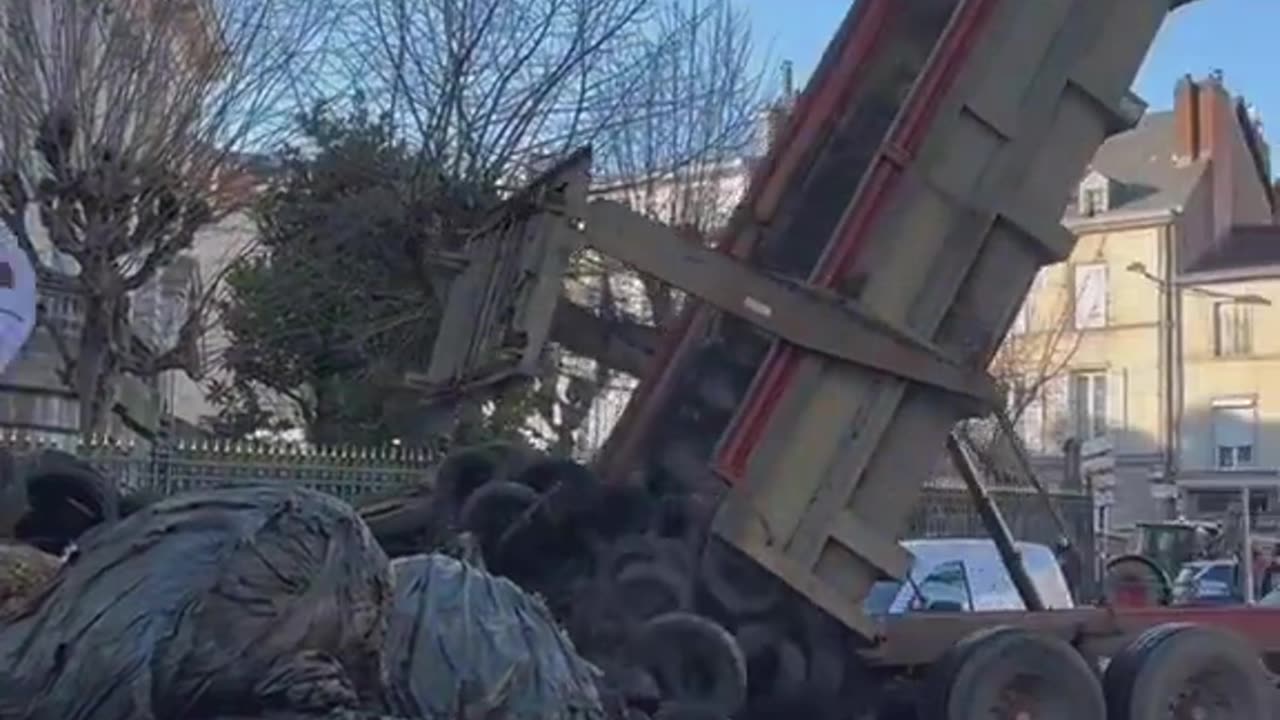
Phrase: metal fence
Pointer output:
(947, 511)
(346, 472)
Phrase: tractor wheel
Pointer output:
(1136, 581)
(1187, 671)
(1012, 673)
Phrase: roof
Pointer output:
(1142, 162)
(1246, 247)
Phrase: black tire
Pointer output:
(683, 517)
(465, 471)
(65, 497)
(742, 587)
(616, 556)
(1012, 669)
(489, 511)
(53, 472)
(543, 475)
(1180, 663)
(644, 591)
(1127, 571)
(695, 662)
(776, 664)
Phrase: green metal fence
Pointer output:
(345, 472)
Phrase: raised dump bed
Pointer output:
(922, 179)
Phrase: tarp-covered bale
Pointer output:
(232, 601)
(459, 636)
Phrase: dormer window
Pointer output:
(1094, 196)
(1093, 201)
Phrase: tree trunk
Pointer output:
(96, 363)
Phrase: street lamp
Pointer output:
(1245, 298)
(1175, 288)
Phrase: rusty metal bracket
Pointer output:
(803, 316)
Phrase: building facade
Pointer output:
(1141, 336)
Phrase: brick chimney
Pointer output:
(1203, 115)
(1186, 112)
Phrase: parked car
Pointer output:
(967, 575)
(1208, 582)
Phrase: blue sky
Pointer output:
(1237, 36)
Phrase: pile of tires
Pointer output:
(681, 624)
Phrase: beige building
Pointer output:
(1145, 335)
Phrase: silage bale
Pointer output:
(461, 637)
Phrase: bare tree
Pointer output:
(687, 167)
(120, 128)
(682, 162)
(1031, 368)
(490, 86)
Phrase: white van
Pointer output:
(967, 575)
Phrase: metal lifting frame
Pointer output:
(503, 299)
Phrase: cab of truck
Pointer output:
(967, 575)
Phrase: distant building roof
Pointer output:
(1247, 247)
(1141, 162)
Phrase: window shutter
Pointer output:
(1233, 425)
(1090, 295)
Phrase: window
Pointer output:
(1093, 200)
(1233, 432)
(1091, 295)
(1089, 404)
(1211, 502)
(1232, 329)
(945, 589)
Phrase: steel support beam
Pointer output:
(803, 316)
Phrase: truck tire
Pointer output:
(1009, 670)
(695, 662)
(1174, 669)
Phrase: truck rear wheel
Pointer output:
(1010, 673)
(1181, 670)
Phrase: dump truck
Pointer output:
(839, 329)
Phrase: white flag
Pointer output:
(17, 298)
